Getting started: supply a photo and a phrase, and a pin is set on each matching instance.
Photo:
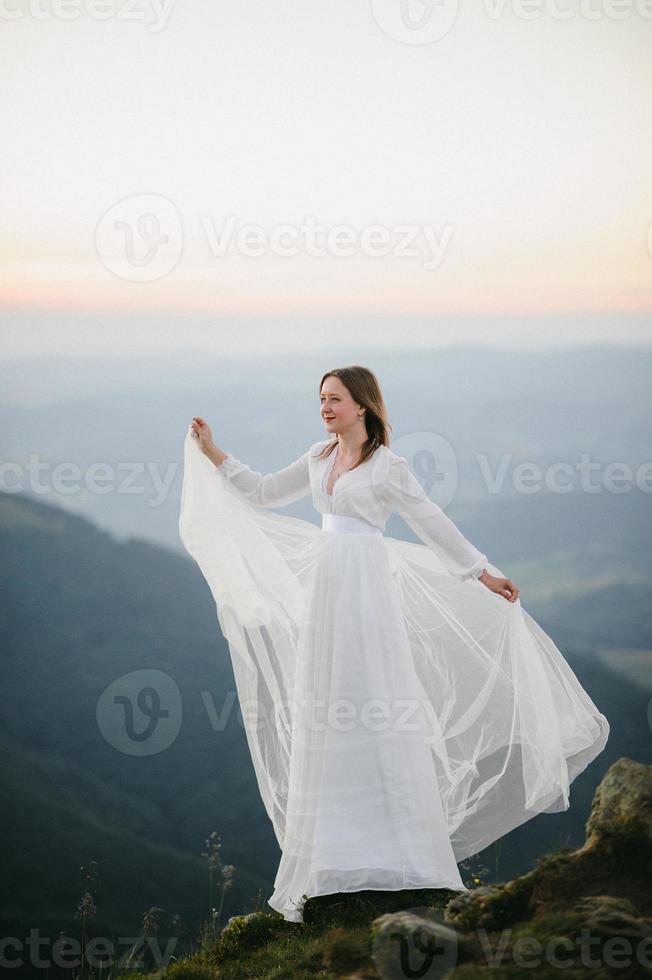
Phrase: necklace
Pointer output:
(335, 472)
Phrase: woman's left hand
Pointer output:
(503, 586)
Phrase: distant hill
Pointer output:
(79, 611)
(496, 408)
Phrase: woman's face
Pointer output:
(338, 409)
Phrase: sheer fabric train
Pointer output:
(400, 716)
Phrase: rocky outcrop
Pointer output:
(579, 911)
(621, 803)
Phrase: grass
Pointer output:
(334, 940)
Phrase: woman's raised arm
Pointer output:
(272, 490)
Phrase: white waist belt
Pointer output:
(339, 524)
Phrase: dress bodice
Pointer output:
(373, 490)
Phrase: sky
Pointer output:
(355, 162)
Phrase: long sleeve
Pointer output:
(272, 490)
(407, 497)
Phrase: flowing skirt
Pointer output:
(399, 719)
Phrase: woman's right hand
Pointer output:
(202, 433)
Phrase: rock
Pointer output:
(624, 796)
(413, 943)
(238, 918)
(599, 885)
(474, 909)
(611, 916)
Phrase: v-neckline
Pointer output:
(329, 470)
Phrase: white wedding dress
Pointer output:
(400, 715)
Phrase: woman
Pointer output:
(402, 709)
